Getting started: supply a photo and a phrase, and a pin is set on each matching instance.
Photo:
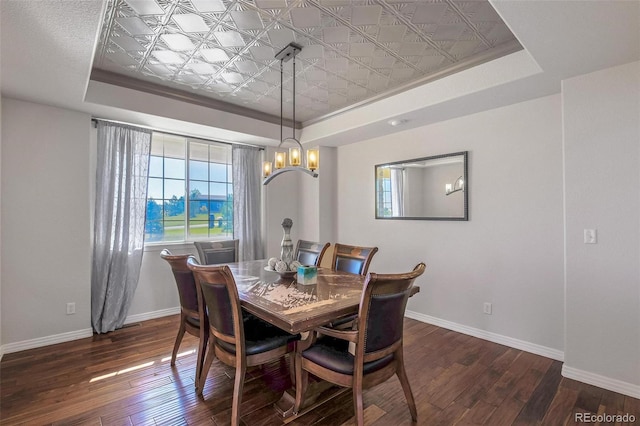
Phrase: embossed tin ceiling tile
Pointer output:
(232, 77)
(134, 26)
(335, 83)
(431, 13)
(336, 65)
(336, 34)
(247, 20)
(191, 23)
(365, 15)
(464, 48)
(281, 37)
(383, 62)
(411, 49)
(220, 86)
(258, 86)
(449, 32)
(229, 39)
(391, 33)
(316, 75)
(361, 49)
(167, 57)
(306, 17)
(262, 53)
(312, 51)
(271, 4)
(359, 74)
(145, 7)
(214, 55)
(401, 74)
(430, 62)
(158, 69)
(128, 43)
(246, 67)
(356, 92)
(177, 42)
(209, 5)
(202, 68)
(121, 59)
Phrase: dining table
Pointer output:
(299, 308)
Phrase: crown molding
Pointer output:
(127, 82)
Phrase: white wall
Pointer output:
(509, 253)
(45, 220)
(601, 114)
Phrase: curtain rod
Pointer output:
(96, 119)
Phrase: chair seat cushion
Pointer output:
(333, 354)
(260, 336)
(194, 321)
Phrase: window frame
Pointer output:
(187, 237)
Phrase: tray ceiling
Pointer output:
(354, 51)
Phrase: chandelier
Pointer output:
(296, 152)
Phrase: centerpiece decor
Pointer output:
(285, 266)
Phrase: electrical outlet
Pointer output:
(71, 308)
(487, 308)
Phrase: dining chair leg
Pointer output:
(358, 406)
(205, 367)
(404, 381)
(179, 337)
(238, 386)
(202, 346)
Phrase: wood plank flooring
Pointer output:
(124, 378)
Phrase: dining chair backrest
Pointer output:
(193, 315)
(222, 301)
(382, 307)
(217, 252)
(352, 259)
(184, 279)
(310, 253)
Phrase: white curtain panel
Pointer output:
(247, 205)
(121, 194)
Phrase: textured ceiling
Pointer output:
(353, 50)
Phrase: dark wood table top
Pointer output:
(296, 307)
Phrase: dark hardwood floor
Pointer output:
(124, 378)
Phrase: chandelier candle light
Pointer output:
(296, 153)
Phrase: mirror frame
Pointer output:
(465, 191)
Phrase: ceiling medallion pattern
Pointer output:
(354, 50)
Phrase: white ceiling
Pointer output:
(47, 52)
(352, 50)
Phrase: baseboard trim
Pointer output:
(487, 335)
(152, 315)
(46, 341)
(614, 385)
(79, 334)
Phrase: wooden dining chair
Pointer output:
(310, 253)
(217, 252)
(236, 340)
(193, 316)
(352, 259)
(370, 353)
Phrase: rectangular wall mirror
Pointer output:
(429, 188)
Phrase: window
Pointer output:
(384, 192)
(190, 193)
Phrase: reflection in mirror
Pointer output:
(432, 188)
